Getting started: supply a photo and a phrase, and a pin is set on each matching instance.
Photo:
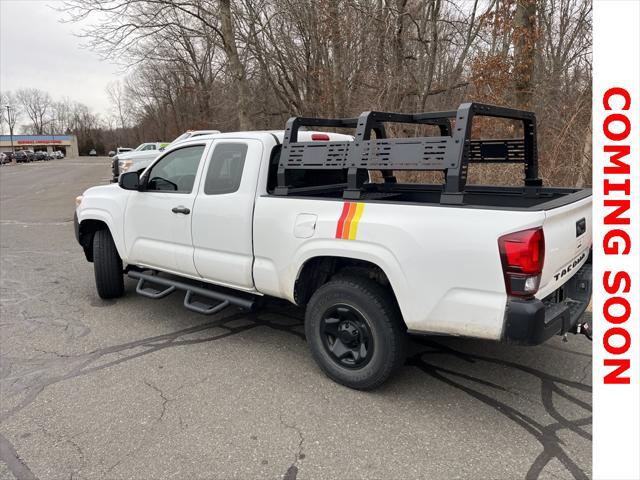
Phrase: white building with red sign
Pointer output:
(67, 143)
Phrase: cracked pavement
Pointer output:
(144, 389)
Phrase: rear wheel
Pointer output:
(107, 266)
(355, 332)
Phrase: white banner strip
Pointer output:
(616, 241)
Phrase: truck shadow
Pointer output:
(428, 354)
(550, 387)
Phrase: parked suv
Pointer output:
(41, 155)
(24, 156)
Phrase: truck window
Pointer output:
(225, 168)
(176, 171)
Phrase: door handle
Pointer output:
(181, 209)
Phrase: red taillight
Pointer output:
(523, 251)
(522, 255)
(320, 137)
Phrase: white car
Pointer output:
(145, 153)
(294, 215)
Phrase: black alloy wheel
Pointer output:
(347, 336)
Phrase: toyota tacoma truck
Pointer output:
(321, 220)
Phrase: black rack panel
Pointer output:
(497, 151)
(450, 152)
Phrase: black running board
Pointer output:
(147, 281)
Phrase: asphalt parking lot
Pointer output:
(144, 389)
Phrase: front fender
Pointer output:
(107, 204)
(115, 227)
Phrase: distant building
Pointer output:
(67, 143)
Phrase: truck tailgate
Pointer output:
(567, 234)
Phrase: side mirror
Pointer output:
(129, 181)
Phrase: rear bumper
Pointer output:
(533, 321)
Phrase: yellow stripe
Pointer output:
(353, 229)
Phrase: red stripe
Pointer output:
(343, 216)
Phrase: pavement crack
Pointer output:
(129, 454)
(12, 460)
(49, 352)
(586, 372)
(56, 438)
(292, 471)
(165, 400)
(39, 374)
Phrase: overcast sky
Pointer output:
(37, 51)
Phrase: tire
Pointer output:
(107, 266)
(363, 310)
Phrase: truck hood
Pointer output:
(100, 190)
(146, 155)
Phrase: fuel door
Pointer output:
(305, 225)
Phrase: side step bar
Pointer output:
(223, 299)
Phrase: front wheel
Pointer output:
(107, 266)
(355, 332)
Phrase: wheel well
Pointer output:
(88, 228)
(319, 270)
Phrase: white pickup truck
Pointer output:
(230, 218)
(140, 158)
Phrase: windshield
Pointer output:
(139, 147)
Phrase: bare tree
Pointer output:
(117, 96)
(132, 30)
(12, 114)
(525, 36)
(36, 104)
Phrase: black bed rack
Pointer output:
(450, 152)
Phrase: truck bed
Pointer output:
(475, 196)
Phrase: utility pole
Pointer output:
(9, 108)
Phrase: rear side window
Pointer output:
(225, 168)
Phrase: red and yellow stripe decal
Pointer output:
(347, 228)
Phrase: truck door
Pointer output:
(157, 222)
(222, 221)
